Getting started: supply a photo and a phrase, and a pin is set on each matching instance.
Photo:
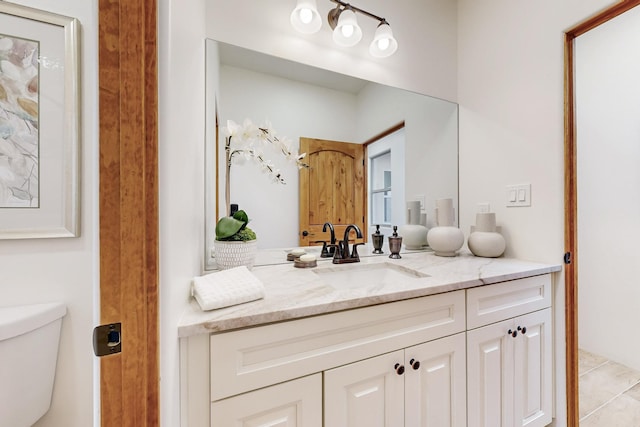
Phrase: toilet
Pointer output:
(29, 340)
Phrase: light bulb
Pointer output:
(347, 30)
(306, 15)
(383, 44)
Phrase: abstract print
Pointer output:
(19, 135)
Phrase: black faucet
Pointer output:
(330, 249)
(342, 254)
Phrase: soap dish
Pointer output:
(305, 264)
(295, 254)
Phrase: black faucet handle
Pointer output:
(325, 252)
(354, 252)
(335, 249)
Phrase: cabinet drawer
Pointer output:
(251, 358)
(296, 403)
(493, 303)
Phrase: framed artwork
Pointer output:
(39, 124)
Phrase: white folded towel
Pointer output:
(227, 287)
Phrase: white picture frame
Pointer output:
(39, 124)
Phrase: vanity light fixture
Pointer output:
(346, 31)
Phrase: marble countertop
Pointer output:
(292, 293)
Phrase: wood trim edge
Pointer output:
(570, 188)
(129, 203)
(571, 201)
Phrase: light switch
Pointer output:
(519, 195)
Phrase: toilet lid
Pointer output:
(18, 320)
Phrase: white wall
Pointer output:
(607, 111)
(511, 115)
(181, 174)
(66, 270)
(510, 90)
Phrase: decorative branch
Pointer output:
(246, 136)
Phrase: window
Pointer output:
(386, 160)
(380, 185)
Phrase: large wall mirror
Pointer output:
(303, 101)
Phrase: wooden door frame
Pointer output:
(571, 200)
(128, 205)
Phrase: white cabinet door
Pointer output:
(509, 377)
(369, 393)
(296, 403)
(490, 375)
(533, 375)
(435, 383)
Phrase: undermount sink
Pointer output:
(364, 275)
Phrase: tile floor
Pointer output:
(609, 393)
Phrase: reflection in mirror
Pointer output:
(380, 187)
(306, 102)
(387, 160)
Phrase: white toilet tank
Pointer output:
(29, 339)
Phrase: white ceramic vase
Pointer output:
(413, 212)
(231, 254)
(414, 233)
(484, 240)
(445, 239)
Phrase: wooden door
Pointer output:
(332, 189)
(369, 393)
(128, 105)
(533, 364)
(436, 383)
(490, 373)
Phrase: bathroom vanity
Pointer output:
(425, 340)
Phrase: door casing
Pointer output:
(571, 201)
(128, 202)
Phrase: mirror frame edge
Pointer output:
(571, 201)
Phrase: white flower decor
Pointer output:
(245, 142)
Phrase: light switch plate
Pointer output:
(518, 195)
